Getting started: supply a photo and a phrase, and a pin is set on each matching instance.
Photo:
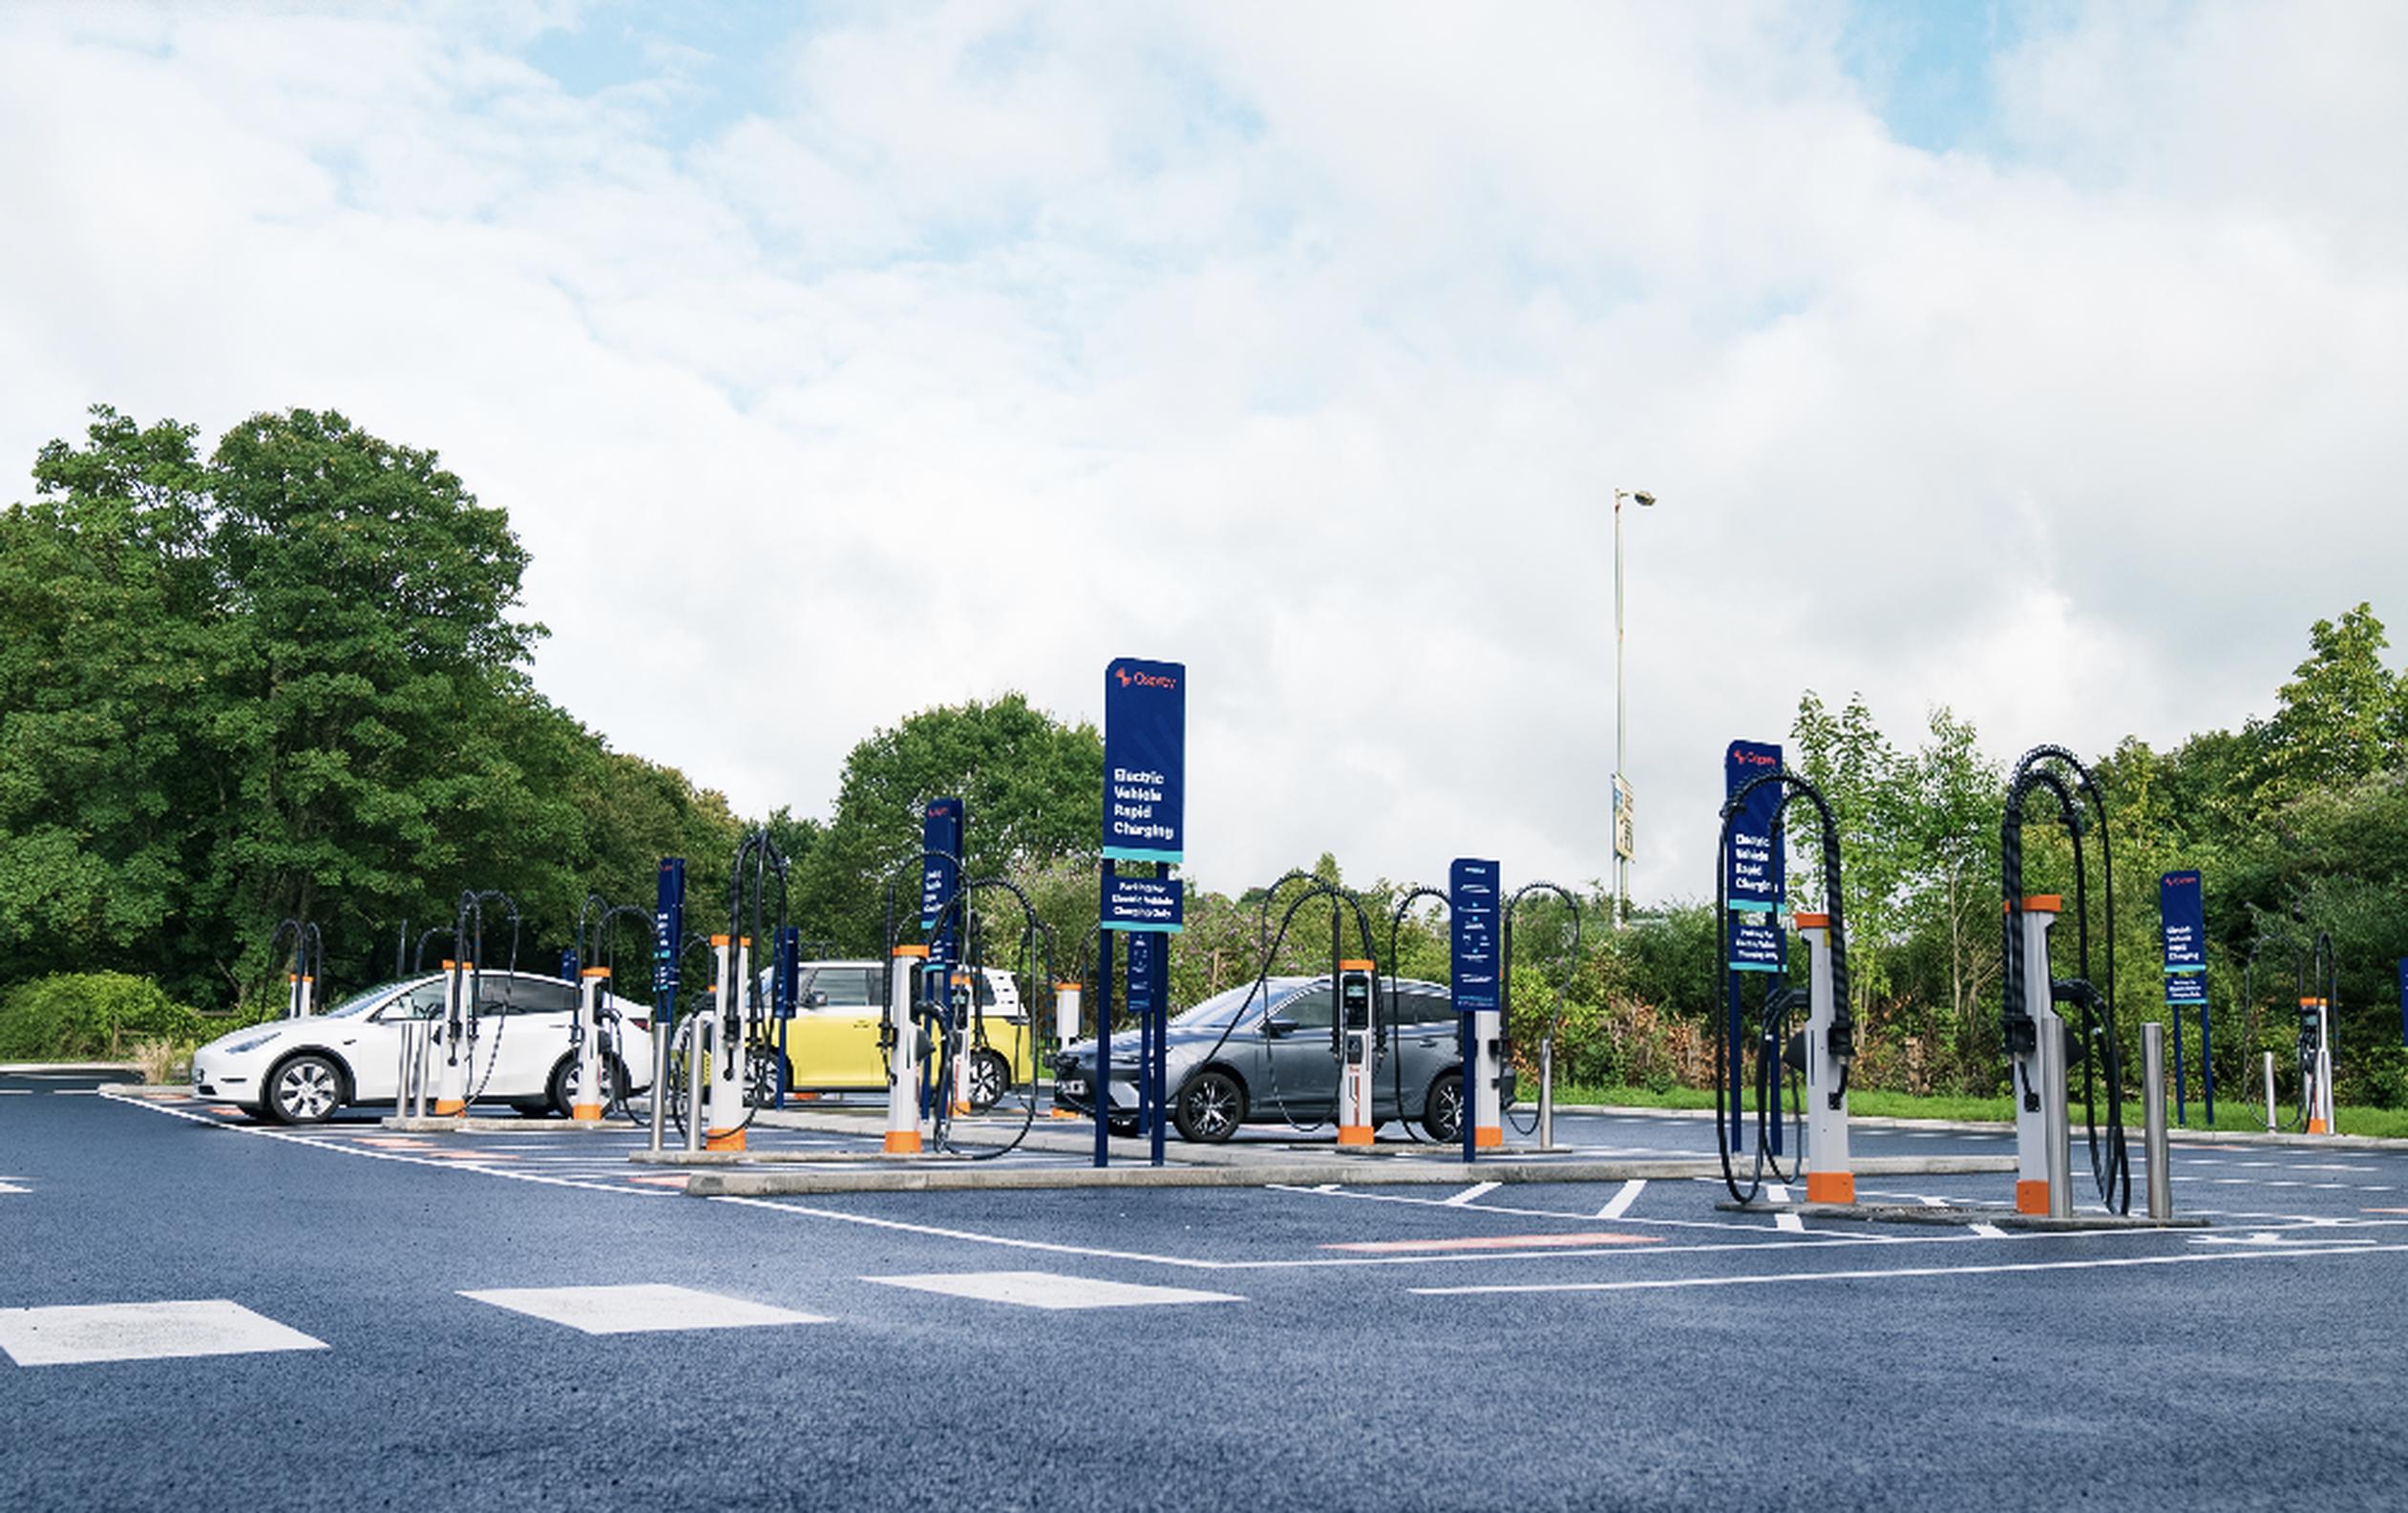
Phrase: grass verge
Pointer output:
(1874, 1104)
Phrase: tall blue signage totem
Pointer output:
(1755, 879)
(1145, 830)
(2182, 917)
(943, 824)
(1471, 913)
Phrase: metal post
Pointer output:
(1547, 1093)
(2179, 1115)
(1622, 749)
(698, 1030)
(1099, 1095)
(2207, 1068)
(2270, 1090)
(660, 1034)
(2054, 1116)
(2160, 1181)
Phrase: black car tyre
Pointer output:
(304, 1090)
(1208, 1108)
(990, 1077)
(1441, 1115)
(562, 1096)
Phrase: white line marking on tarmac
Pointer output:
(1620, 1202)
(80, 1333)
(1880, 1274)
(340, 1148)
(1478, 1189)
(1788, 1224)
(1988, 1231)
(1049, 1290)
(637, 1308)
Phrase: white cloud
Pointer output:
(1303, 344)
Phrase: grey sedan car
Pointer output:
(1230, 1063)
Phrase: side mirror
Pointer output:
(814, 999)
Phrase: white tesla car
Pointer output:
(299, 1071)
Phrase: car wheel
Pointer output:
(304, 1091)
(990, 1076)
(1441, 1115)
(760, 1078)
(563, 1100)
(1208, 1108)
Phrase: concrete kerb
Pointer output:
(454, 1124)
(759, 1179)
(1959, 1218)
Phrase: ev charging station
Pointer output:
(308, 968)
(1477, 965)
(1066, 1029)
(587, 1033)
(1749, 883)
(2035, 1053)
(903, 1049)
(2315, 1033)
(2042, 1048)
(1357, 1035)
(2315, 1036)
(1828, 1048)
(719, 1104)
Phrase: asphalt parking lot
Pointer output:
(204, 1313)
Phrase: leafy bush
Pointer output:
(91, 1014)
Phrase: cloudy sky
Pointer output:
(2049, 362)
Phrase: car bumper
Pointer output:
(225, 1077)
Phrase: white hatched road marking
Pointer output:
(79, 1333)
(1988, 1231)
(1478, 1189)
(1049, 1290)
(1620, 1202)
(1880, 1274)
(637, 1308)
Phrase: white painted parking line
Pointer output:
(641, 1308)
(1988, 1231)
(1620, 1202)
(1049, 1290)
(1879, 1273)
(75, 1335)
(1478, 1189)
(1788, 1224)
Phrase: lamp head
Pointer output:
(1645, 498)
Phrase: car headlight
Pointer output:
(249, 1042)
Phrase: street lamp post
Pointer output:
(1622, 721)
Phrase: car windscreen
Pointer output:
(362, 1001)
(1221, 1007)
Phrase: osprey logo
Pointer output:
(1143, 679)
(1122, 673)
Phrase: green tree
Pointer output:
(109, 630)
(1033, 786)
(2343, 715)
